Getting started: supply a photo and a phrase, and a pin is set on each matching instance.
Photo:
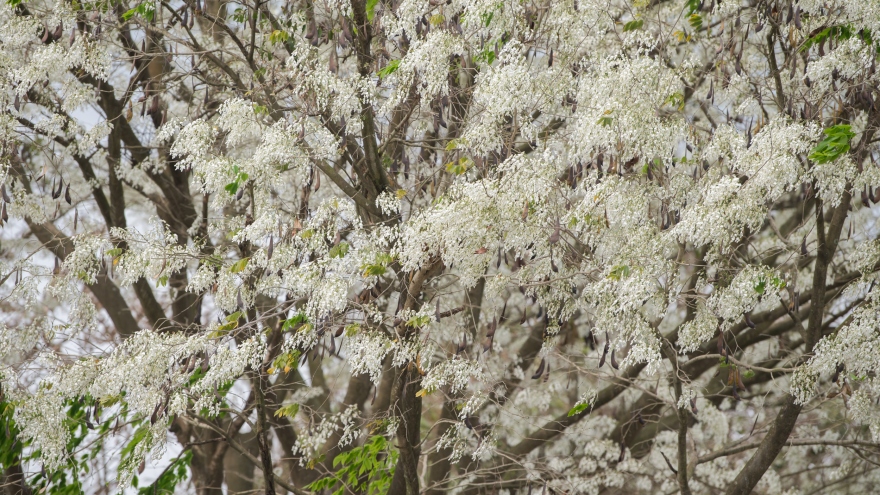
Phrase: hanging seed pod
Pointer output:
(67, 194)
(622, 452)
(590, 340)
(72, 35)
(332, 350)
(554, 237)
(240, 193)
(711, 95)
(56, 194)
(604, 351)
(75, 219)
(3, 216)
(640, 418)
(339, 331)
(57, 269)
(58, 32)
(694, 405)
(4, 194)
(547, 372)
(334, 66)
(17, 103)
(550, 60)
(837, 371)
(317, 181)
(614, 361)
(271, 248)
(487, 344)
(239, 301)
(540, 370)
(748, 320)
(312, 31)
(737, 380)
(797, 18)
(669, 464)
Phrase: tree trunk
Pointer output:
(408, 409)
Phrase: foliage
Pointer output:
(366, 469)
(487, 244)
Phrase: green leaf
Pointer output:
(619, 272)
(676, 100)
(374, 271)
(605, 121)
(459, 167)
(289, 411)
(696, 21)
(487, 18)
(418, 321)
(578, 409)
(835, 144)
(231, 188)
(760, 286)
(371, 9)
(239, 265)
(389, 69)
(633, 25)
(294, 321)
(144, 9)
(339, 250)
(278, 36)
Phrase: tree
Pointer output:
(413, 246)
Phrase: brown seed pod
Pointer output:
(554, 237)
(540, 370)
(604, 351)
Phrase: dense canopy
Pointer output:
(439, 246)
